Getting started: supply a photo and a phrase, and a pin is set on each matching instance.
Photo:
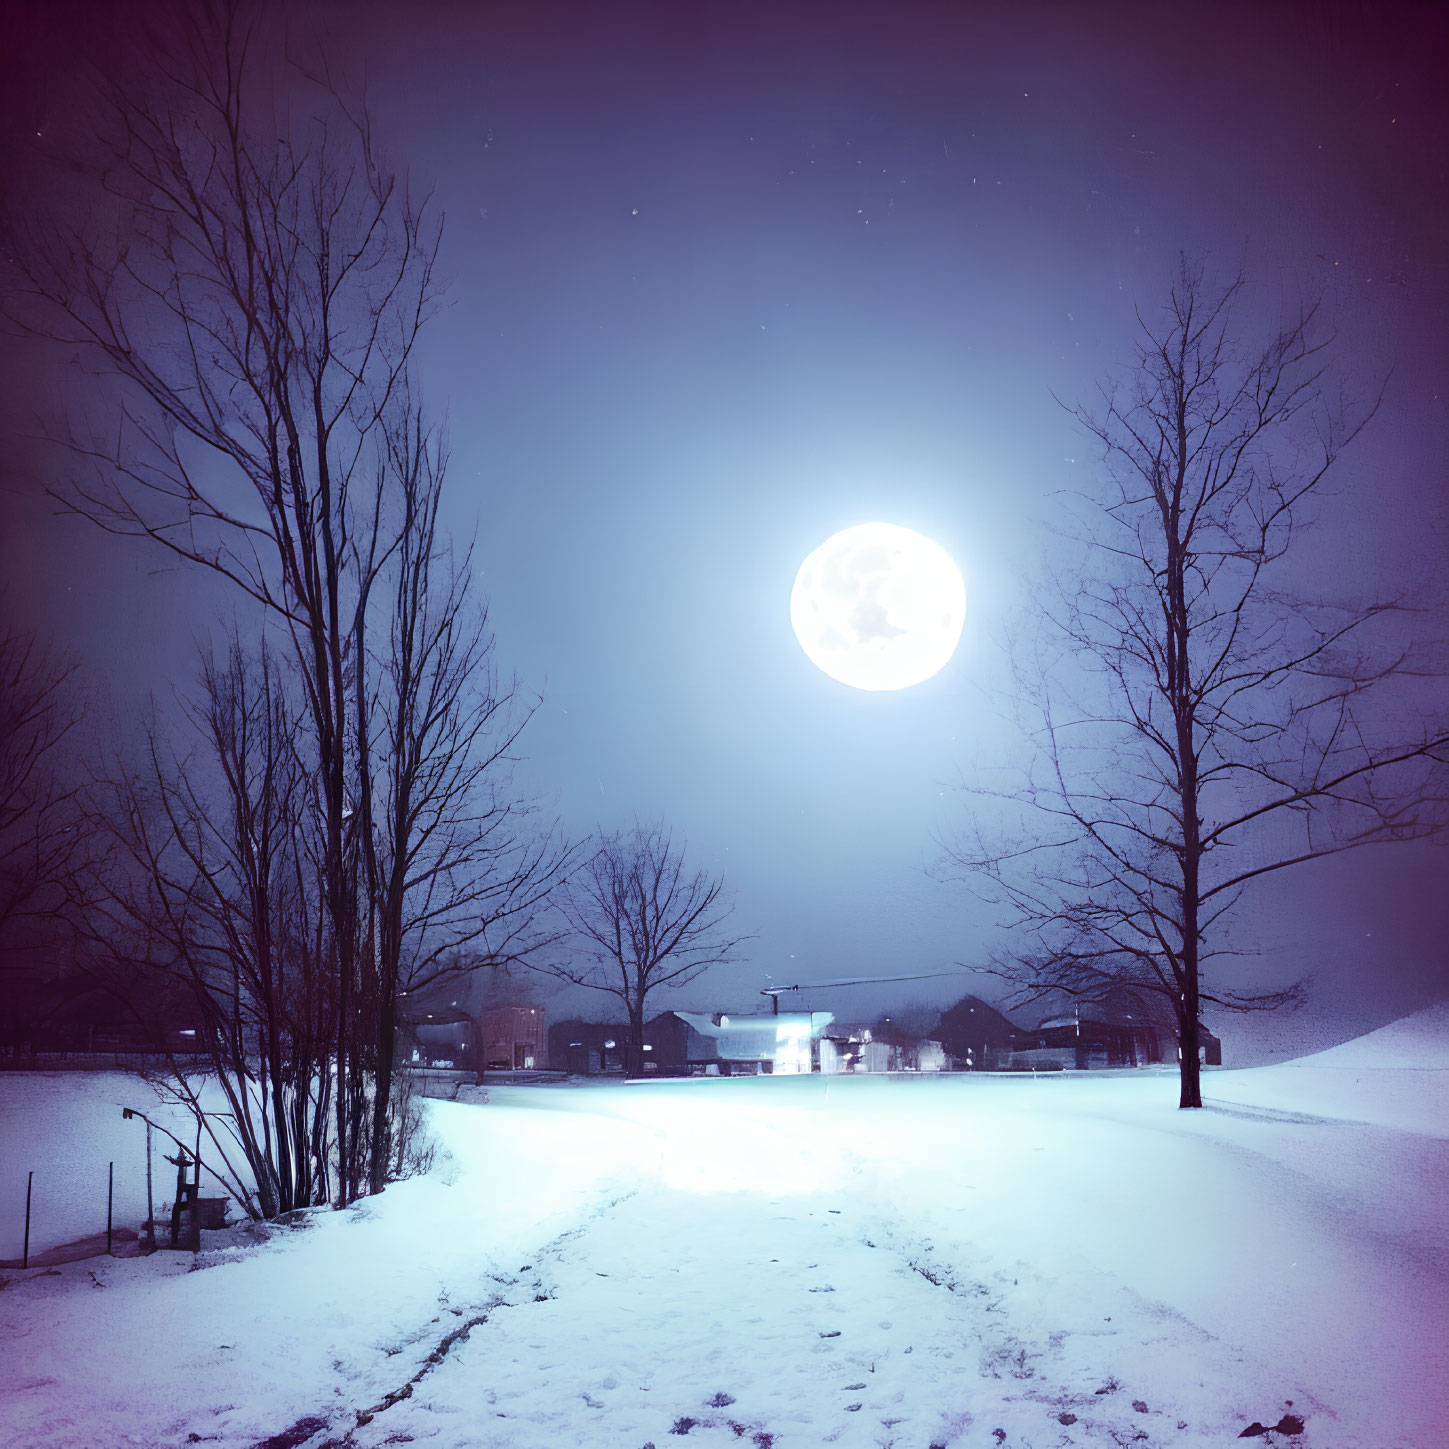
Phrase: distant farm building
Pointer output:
(447, 1040)
(976, 1035)
(514, 1038)
(972, 1035)
(1087, 1038)
(587, 1048)
(850, 1049)
(690, 1043)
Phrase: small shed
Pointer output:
(441, 1039)
(588, 1048)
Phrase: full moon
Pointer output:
(878, 607)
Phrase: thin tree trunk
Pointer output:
(382, 1098)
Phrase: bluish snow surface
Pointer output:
(894, 1262)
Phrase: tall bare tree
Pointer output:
(458, 864)
(1199, 722)
(640, 921)
(256, 305)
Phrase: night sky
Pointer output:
(727, 279)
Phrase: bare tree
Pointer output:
(459, 866)
(37, 825)
(40, 842)
(212, 895)
(641, 921)
(1198, 722)
(256, 307)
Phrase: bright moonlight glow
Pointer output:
(878, 607)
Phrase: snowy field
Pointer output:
(790, 1263)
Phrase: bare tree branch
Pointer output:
(39, 839)
(252, 284)
(640, 921)
(1198, 725)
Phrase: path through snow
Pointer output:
(781, 1322)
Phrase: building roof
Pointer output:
(1050, 1023)
(1124, 1021)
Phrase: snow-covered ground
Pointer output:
(899, 1261)
(60, 1133)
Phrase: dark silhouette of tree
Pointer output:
(255, 306)
(41, 845)
(640, 921)
(1200, 721)
(458, 866)
(37, 820)
(212, 890)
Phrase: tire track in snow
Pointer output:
(306, 1432)
(779, 1323)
